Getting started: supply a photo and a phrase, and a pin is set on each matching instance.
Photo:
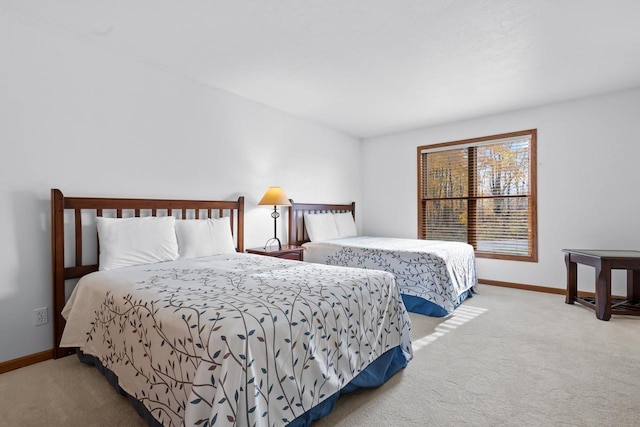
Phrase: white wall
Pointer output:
(95, 122)
(588, 175)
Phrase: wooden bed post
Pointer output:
(292, 225)
(240, 228)
(57, 269)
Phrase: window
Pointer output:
(481, 191)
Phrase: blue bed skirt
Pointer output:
(113, 380)
(419, 305)
(376, 374)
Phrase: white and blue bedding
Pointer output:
(239, 339)
(434, 276)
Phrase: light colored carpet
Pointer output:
(507, 357)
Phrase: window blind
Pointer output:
(482, 192)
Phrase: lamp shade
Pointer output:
(275, 196)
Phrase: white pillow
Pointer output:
(200, 237)
(320, 227)
(345, 224)
(135, 241)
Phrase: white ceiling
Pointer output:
(371, 67)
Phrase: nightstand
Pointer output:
(287, 252)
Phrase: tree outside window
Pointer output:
(481, 191)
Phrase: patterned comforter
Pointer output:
(437, 272)
(235, 339)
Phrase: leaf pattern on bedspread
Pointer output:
(440, 272)
(245, 340)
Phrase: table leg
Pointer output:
(603, 290)
(572, 280)
(633, 285)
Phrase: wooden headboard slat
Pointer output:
(77, 205)
(297, 232)
(78, 225)
(146, 204)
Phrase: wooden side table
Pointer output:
(604, 261)
(288, 252)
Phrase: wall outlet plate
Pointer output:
(40, 316)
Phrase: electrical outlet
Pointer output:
(40, 316)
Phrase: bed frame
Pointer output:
(76, 211)
(297, 232)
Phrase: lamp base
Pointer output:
(272, 242)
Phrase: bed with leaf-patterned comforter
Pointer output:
(434, 276)
(239, 339)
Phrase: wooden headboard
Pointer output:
(80, 213)
(297, 231)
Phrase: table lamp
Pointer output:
(274, 196)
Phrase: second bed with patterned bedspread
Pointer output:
(434, 276)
